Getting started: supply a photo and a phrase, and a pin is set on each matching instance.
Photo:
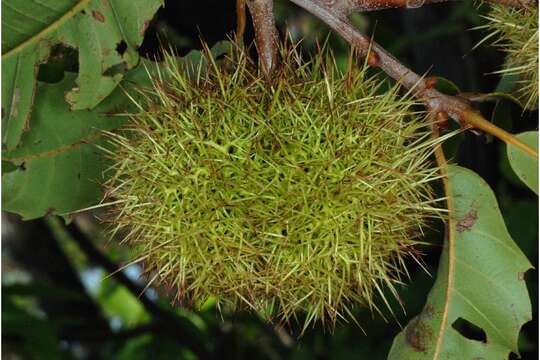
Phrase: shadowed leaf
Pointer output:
(106, 33)
(525, 166)
(480, 280)
(58, 167)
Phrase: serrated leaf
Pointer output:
(59, 168)
(107, 34)
(480, 280)
(55, 127)
(524, 165)
(25, 23)
(19, 74)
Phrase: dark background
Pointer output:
(56, 305)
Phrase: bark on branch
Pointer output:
(262, 13)
(345, 7)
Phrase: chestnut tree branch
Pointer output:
(334, 15)
(345, 7)
(240, 18)
(262, 13)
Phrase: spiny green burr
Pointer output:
(303, 194)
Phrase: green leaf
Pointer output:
(480, 280)
(106, 32)
(524, 165)
(446, 86)
(108, 35)
(58, 166)
(55, 128)
(25, 23)
(54, 184)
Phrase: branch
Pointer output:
(345, 7)
(265, 33)
(437, 103)
(348, 6)
(240, 18)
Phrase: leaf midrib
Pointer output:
(47, 30)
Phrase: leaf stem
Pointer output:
(478, 122)
(450, 238)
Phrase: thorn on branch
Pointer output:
(265, 33)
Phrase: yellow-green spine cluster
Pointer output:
(306, 194)
(515, 31)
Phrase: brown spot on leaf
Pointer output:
(521, 275)
(417, 335)
(26, 127)
(49, 211)
(98, 16)
(468, 221)
(145, 26)
(429, 311)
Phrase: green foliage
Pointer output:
(525, 167)
(485, 288)
(53, 164)
(307, 200)
(106, 33)
(37, 335)
(59, 161)
(59, 168)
